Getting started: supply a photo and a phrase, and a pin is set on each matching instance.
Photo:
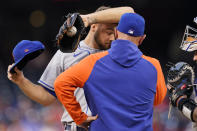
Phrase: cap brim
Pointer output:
(15, 65)
(20, 64)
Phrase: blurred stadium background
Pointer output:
(41, 19)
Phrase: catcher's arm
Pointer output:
(179, 98)
(111, 15)
(180, 86)
(188, 107)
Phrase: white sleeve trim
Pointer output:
(46, 85)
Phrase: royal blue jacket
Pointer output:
(121, 85)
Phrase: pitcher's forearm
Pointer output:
(111, 15)
(36, 92)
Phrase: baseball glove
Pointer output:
(181, 79)
(66, 42)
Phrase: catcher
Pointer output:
(99, 38)
(181, 78)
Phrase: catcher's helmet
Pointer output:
(189, 42)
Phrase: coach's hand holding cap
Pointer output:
(25, 51)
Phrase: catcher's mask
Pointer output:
(189, 41)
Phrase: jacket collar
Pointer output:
(124, 52)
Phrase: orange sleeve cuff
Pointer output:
(82, 119)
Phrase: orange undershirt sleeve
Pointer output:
(161, 89)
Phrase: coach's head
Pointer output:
(131, 27)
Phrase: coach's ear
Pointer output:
(115, 34)
(142, 39)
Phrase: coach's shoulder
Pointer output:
(150, 58)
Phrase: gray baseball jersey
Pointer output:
(58, 64)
